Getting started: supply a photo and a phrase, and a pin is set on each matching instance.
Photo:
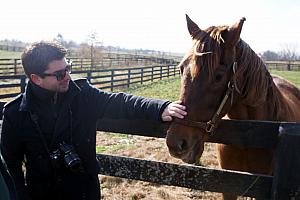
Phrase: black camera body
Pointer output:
(65, 156)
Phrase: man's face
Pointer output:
(54, 79)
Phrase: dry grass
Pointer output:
(113, 188)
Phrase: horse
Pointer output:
(221, 75)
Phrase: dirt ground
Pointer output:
(113, 188)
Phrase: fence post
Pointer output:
(112, 80)
(23, 83)
(161, 69)
(289, 66)
(142, 75)
(152, 74)
(128, 79)
(89, 76)
(174, 67)
(286, 181)
(15, 66)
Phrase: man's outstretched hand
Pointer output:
(174, 109)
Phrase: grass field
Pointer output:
(293, 76)
(9, 54)
(170, 88)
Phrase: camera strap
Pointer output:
(34, 117)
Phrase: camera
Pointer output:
(65, 156)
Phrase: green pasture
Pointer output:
(9, 54)
(293, 76)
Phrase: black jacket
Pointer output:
(7, 187)
(69, 117)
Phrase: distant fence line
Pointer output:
(283, 65)
(13, 66)
(111, 79)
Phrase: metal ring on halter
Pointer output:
(230, 85)
(209, 127)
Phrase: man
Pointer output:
(50, 129)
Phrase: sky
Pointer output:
(156, 24)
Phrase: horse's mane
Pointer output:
(252, 78)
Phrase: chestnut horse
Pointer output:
(222, 75)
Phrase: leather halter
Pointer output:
(210, 125)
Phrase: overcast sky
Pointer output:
(156, 24)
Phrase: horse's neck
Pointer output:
(257, 100)
(245, 112)
(280, 104)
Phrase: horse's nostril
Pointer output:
(182, 145)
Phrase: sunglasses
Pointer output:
(60, 74)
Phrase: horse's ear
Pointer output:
(234, 32)
(192, 27)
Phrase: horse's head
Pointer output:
(206, 79)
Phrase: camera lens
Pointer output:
(73, 162)
(71, 158)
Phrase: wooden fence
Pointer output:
(283, 185)
(283, 65)
(13, 66)
(12, 85)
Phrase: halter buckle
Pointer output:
(210, 126)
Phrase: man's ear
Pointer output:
(35, 79)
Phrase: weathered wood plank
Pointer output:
(247, 133)
(255, 134)
(200, 178)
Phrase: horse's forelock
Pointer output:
(206, 51)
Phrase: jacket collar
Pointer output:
(43, 94)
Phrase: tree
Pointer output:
(95, 47)
(69, 44)
(288, 52)
(270, 56)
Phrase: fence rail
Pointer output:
(13, 66)
(110, 78)
(283, 65)
(12, 85)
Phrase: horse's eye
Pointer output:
(218, 77)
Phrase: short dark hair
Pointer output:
(38, 55)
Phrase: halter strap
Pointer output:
(210, 125)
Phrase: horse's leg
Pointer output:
(242, 159)
(230, 158)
